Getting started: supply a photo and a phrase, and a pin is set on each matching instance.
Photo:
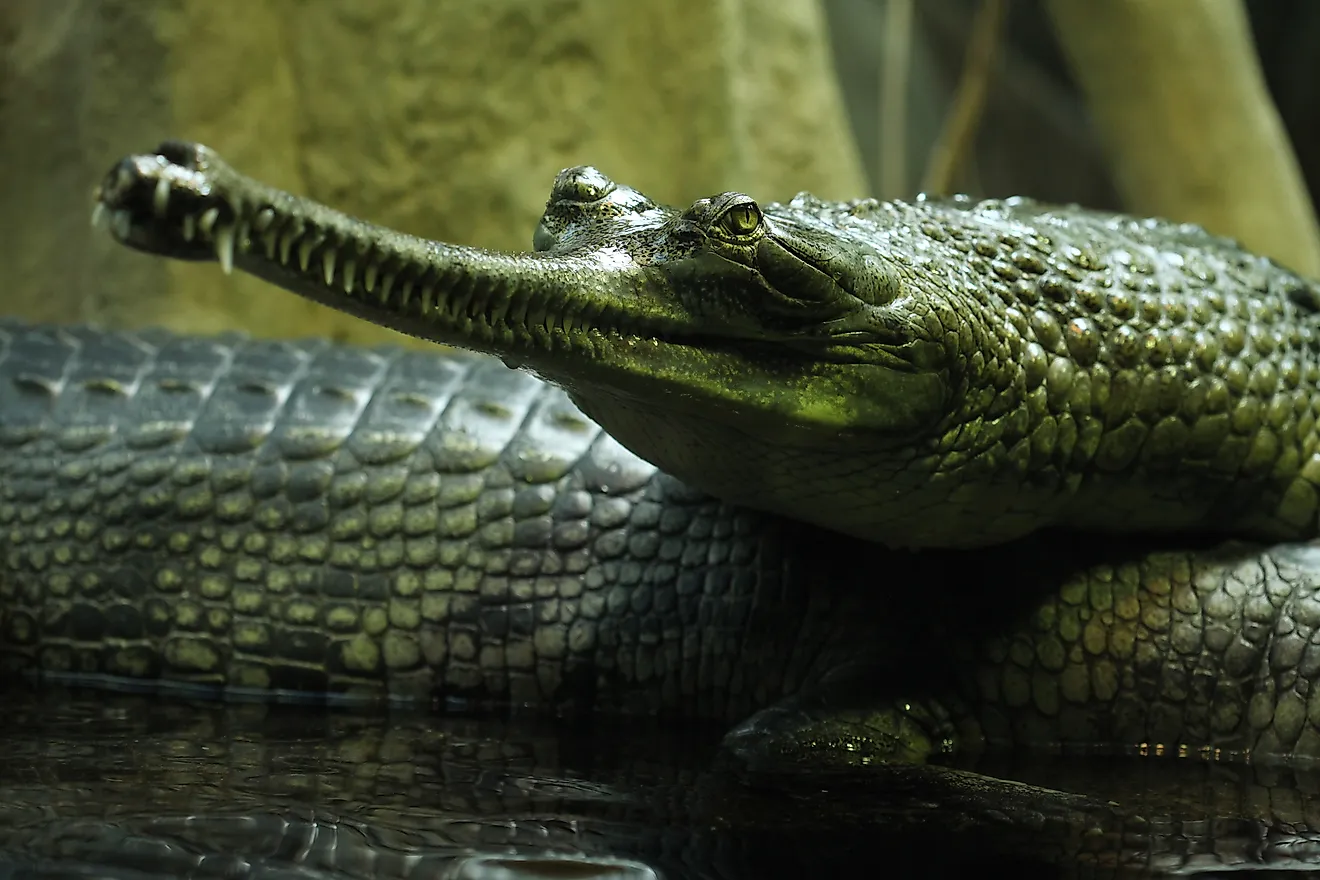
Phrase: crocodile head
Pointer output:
(731, 343)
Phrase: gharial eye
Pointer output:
(742, 218)
(582, 184)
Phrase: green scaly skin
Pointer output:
(927, 374)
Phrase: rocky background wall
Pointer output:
(449, 118)
(445, 118)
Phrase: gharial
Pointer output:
(924, 375)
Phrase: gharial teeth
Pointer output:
(122, 224)
(270, 241)
(261, 224)
(286, 244)
(189, 227)
(385, 284)
(207, 223)
(305, 248)
(224, 248)
(160, 199)
(328, 264)
(350, 270)
(369, 277)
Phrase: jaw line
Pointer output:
(705, 378)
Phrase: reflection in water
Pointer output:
(121, 786)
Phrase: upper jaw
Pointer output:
(154, 203)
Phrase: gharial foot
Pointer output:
(804, 735)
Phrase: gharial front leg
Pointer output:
(1204, 653)
(821, 733)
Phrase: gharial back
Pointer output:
(921, 374)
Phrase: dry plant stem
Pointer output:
(1178, 94)
(895, 69)
(964, 117)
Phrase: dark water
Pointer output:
(97, 785)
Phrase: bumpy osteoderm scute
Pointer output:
(1211, 655)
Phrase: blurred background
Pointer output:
(449, 118)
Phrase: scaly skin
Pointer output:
(334, 520)
(230, 513)
(928, 374)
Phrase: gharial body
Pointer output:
(299, 516)
(239, 516)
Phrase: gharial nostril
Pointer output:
(180, 153)
(118, 183)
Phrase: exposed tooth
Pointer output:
(475, 306)
(189, 227)
(350, 270)
(328, 263)
(264, 218)
(122, 224)
(571, 320)
(405, 294)
(243, 237)
(100, 217)
(516, 314)
(261, 224)
(305, 248)
(385, 284)
(286, 244)
(428, 297)
(369, 278)
(497, 312)
(160, 199)
(207, 223)
(588, 318)
(224, 248)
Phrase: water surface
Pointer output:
(102, 785)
